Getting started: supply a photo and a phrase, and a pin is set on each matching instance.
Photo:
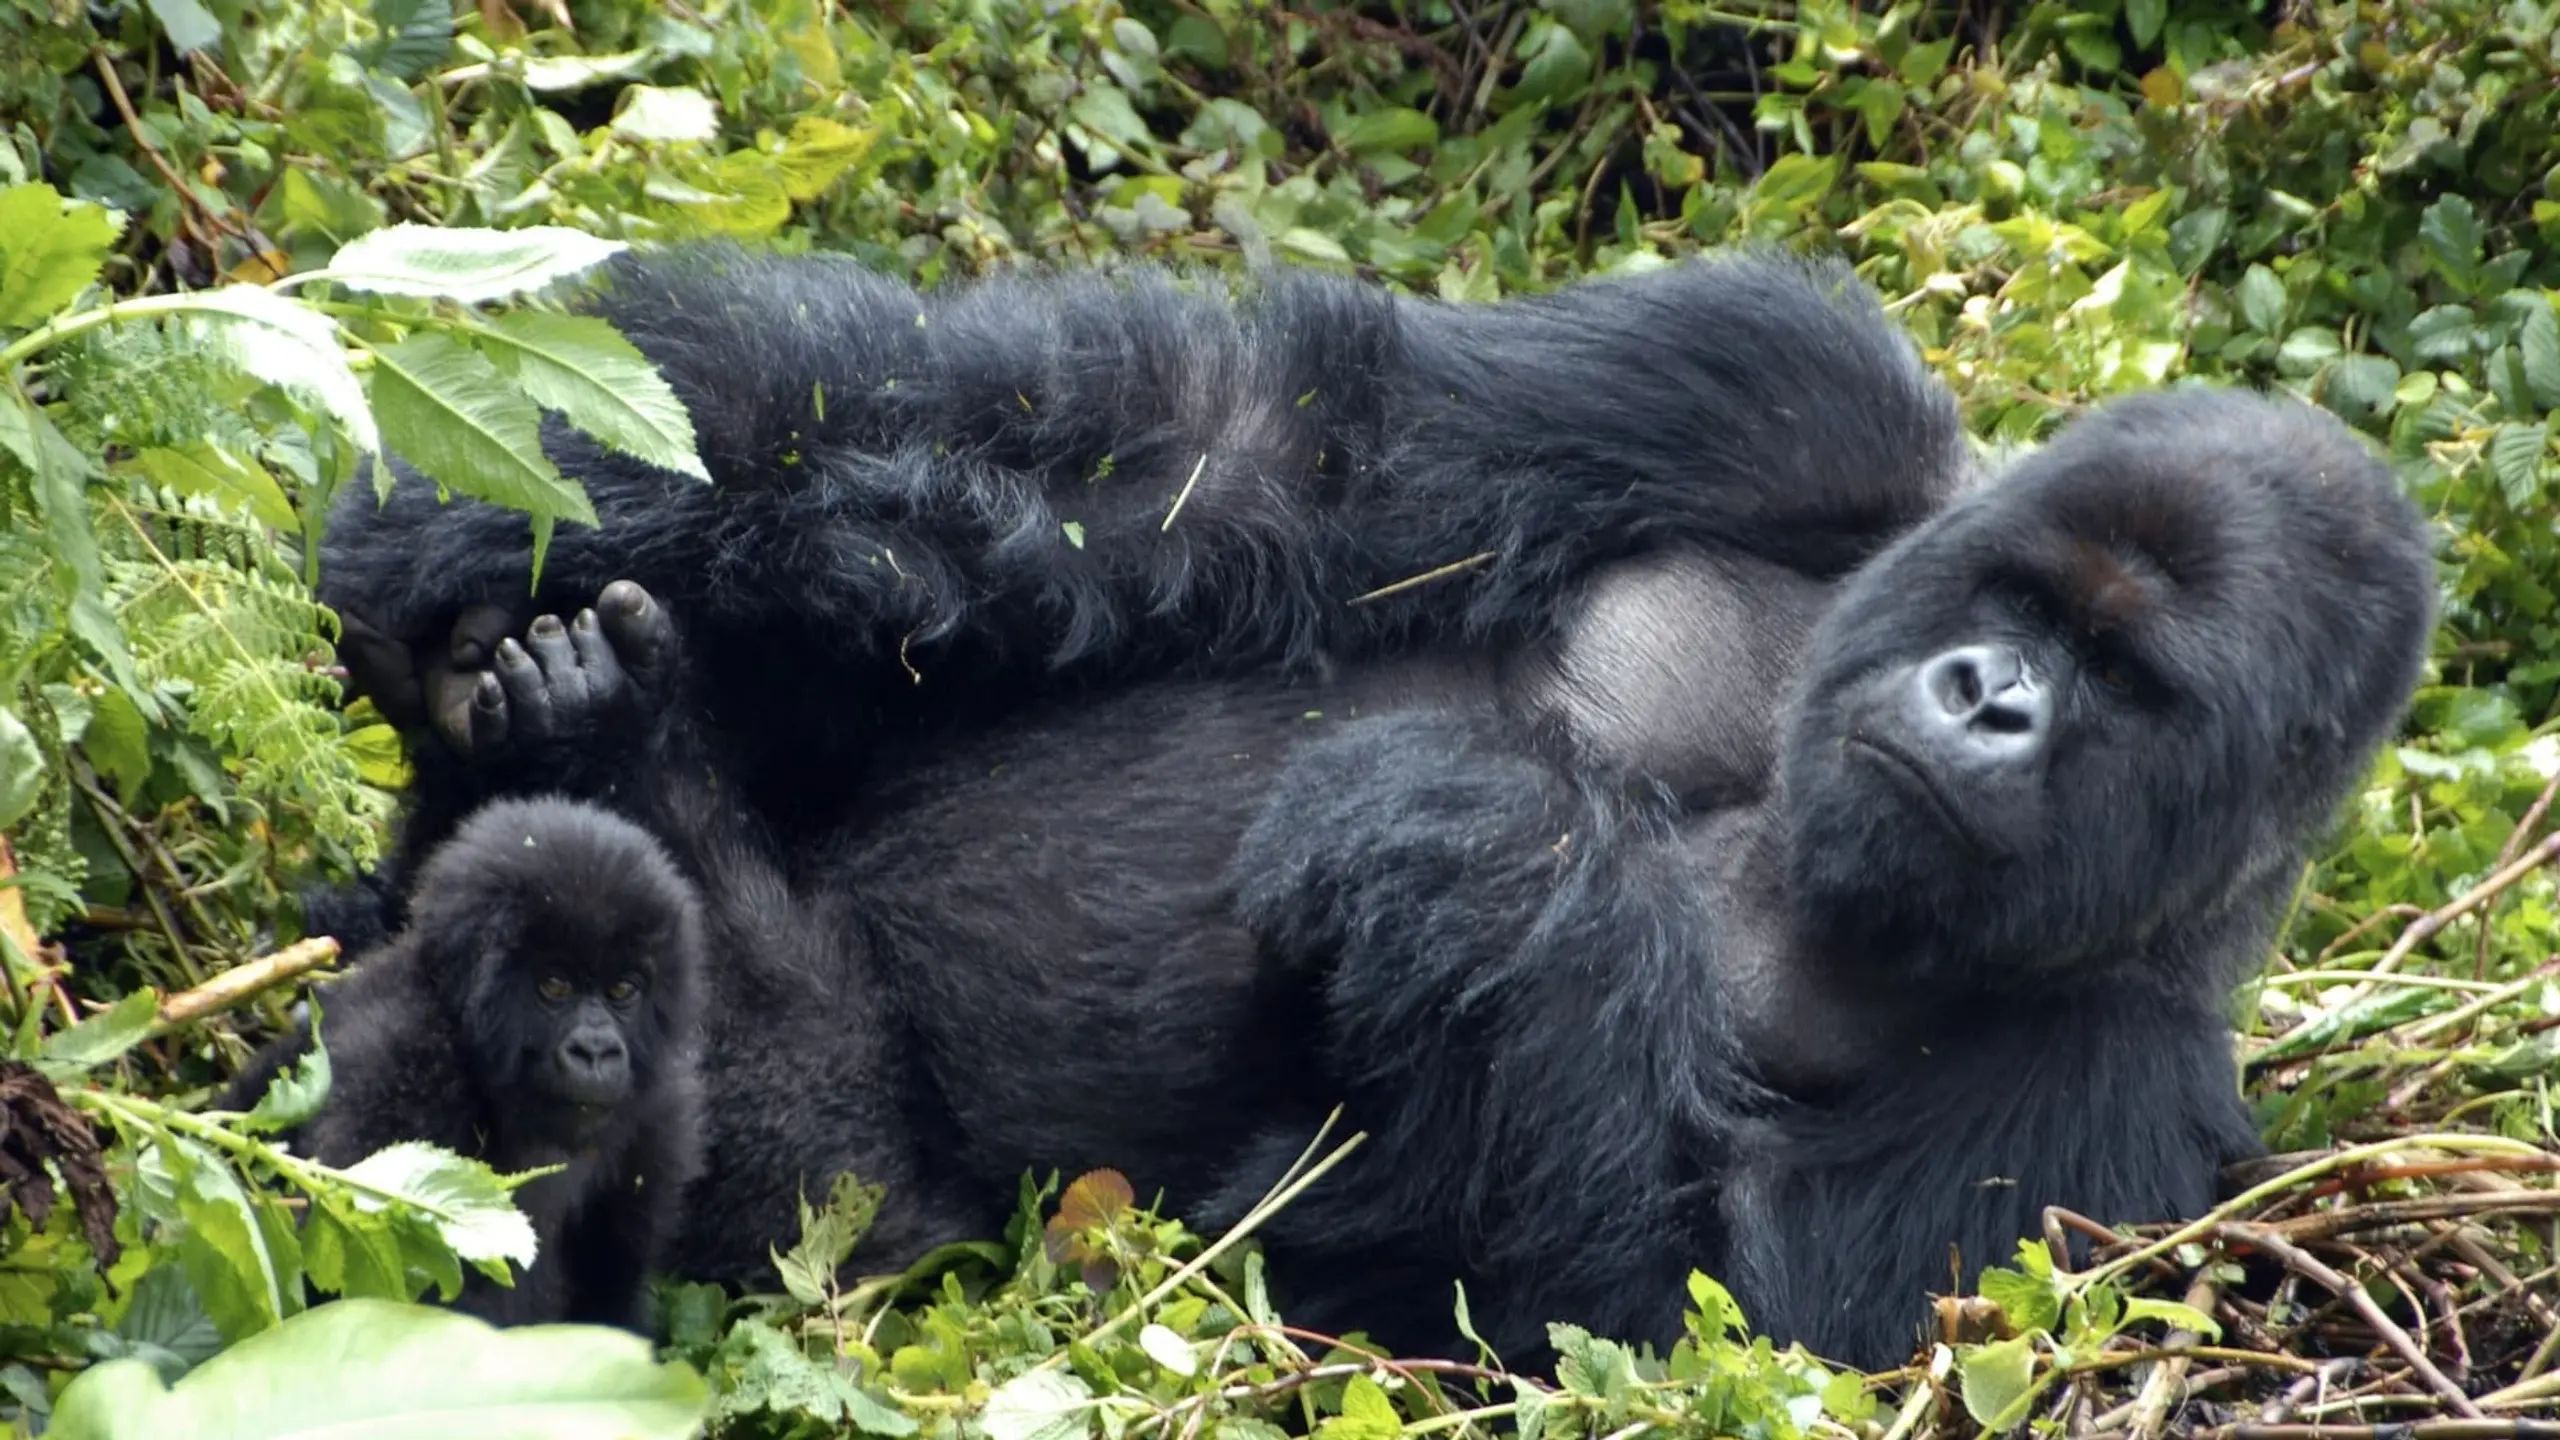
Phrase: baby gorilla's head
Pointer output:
(565, 946)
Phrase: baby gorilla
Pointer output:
(539, 1009)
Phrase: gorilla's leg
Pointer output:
(1520, 1003)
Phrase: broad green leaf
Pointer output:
(62, 475)
(2027, 1300)
(468, 266)
(663, 115)
(445, 409)
(583, 368)
(2515, 457)
(1169, 1350)
(118, 743)
(2146, 17)
(416, 36)
(188, 24)
(1393, 128)
(353, 1253)
(556, 74)
(2262, 301)
(375, 1370)
(22, 769)
(246, 1281)
(1922, 64)
(203, 469)
(1796, 183)
(1367, 1414)
(2451, 230)
(1105, 110)
(287, 344)
(1038, 1405)
(48, 254)
(1999, 1380)
(2539, 341)
(471, 1210)
(109, 1033)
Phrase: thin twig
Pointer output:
(2303, 1263)
(245, 980)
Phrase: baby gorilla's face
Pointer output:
(586, 1060)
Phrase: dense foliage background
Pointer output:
(2359, 202)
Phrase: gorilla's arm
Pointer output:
(1519, 1000)
(1118, 471)
(2120, 1106)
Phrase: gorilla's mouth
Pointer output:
(1914, 777)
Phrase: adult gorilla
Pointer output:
(1612, 1003)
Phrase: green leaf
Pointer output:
(49, 253)
(188, 24)
(349, 1252)
(417, 35)
(1105, 110)
(2177, 1315)
(583, 368)
(468, 266)
(298, 1090)
(2027, 1300)
(2146, 17)
(2451, 230)
(22, 769)
(2515, 457)
(1038, 1405)
(662, 115)
(1999, 1381)
(1922, 64)
(203, 469)
(287, 344)
(1392, 128)
(1367, 1414)
(471, 1211)
(118, 743)
(107, 1034)
(2262, 301)
(2360, 384)
(375, 1370)
(1557, 64)
(249, 1276)
(62, 475)
(1795, 183)
(448, 411)
(1169, 1350)
(2539, 341)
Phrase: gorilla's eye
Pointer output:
(554, 989)
(2114, 674)
(622, 992)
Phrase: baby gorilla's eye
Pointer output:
(622, 992)
(2116, 675)
(554, 989)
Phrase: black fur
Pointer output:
(1556, 870)
(888, 545)
(540, 1009)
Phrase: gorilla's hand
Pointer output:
(562, 682)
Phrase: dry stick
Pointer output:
(2412, 1431)
(1425, 578)
(2303, 1263)
(2417, 1430)
(2326, 1224)
(244, 980)
(2151, 1411)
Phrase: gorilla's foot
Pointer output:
(607, 666)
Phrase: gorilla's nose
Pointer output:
(595, 1054)
(1983, 702)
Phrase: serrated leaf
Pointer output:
(22, 769)
(445, 409)
(48, 253)
(287, 344)
(600, 382)
(1392, 128)
(2028, 1301)
(1038, 1405)
(297, 1092)
(385, 1371)
(466, 265)
(1999, 1380)
(203, 469)
(2262, 301)
(2539, 343)
(107, 1034)
(348, 1252)
(2451, 230)
(2515, 457)
(471, 1211)
(667, 115)
(229, 1256)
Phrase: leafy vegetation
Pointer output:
(243, 249)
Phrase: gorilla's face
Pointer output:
(2103, 692)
